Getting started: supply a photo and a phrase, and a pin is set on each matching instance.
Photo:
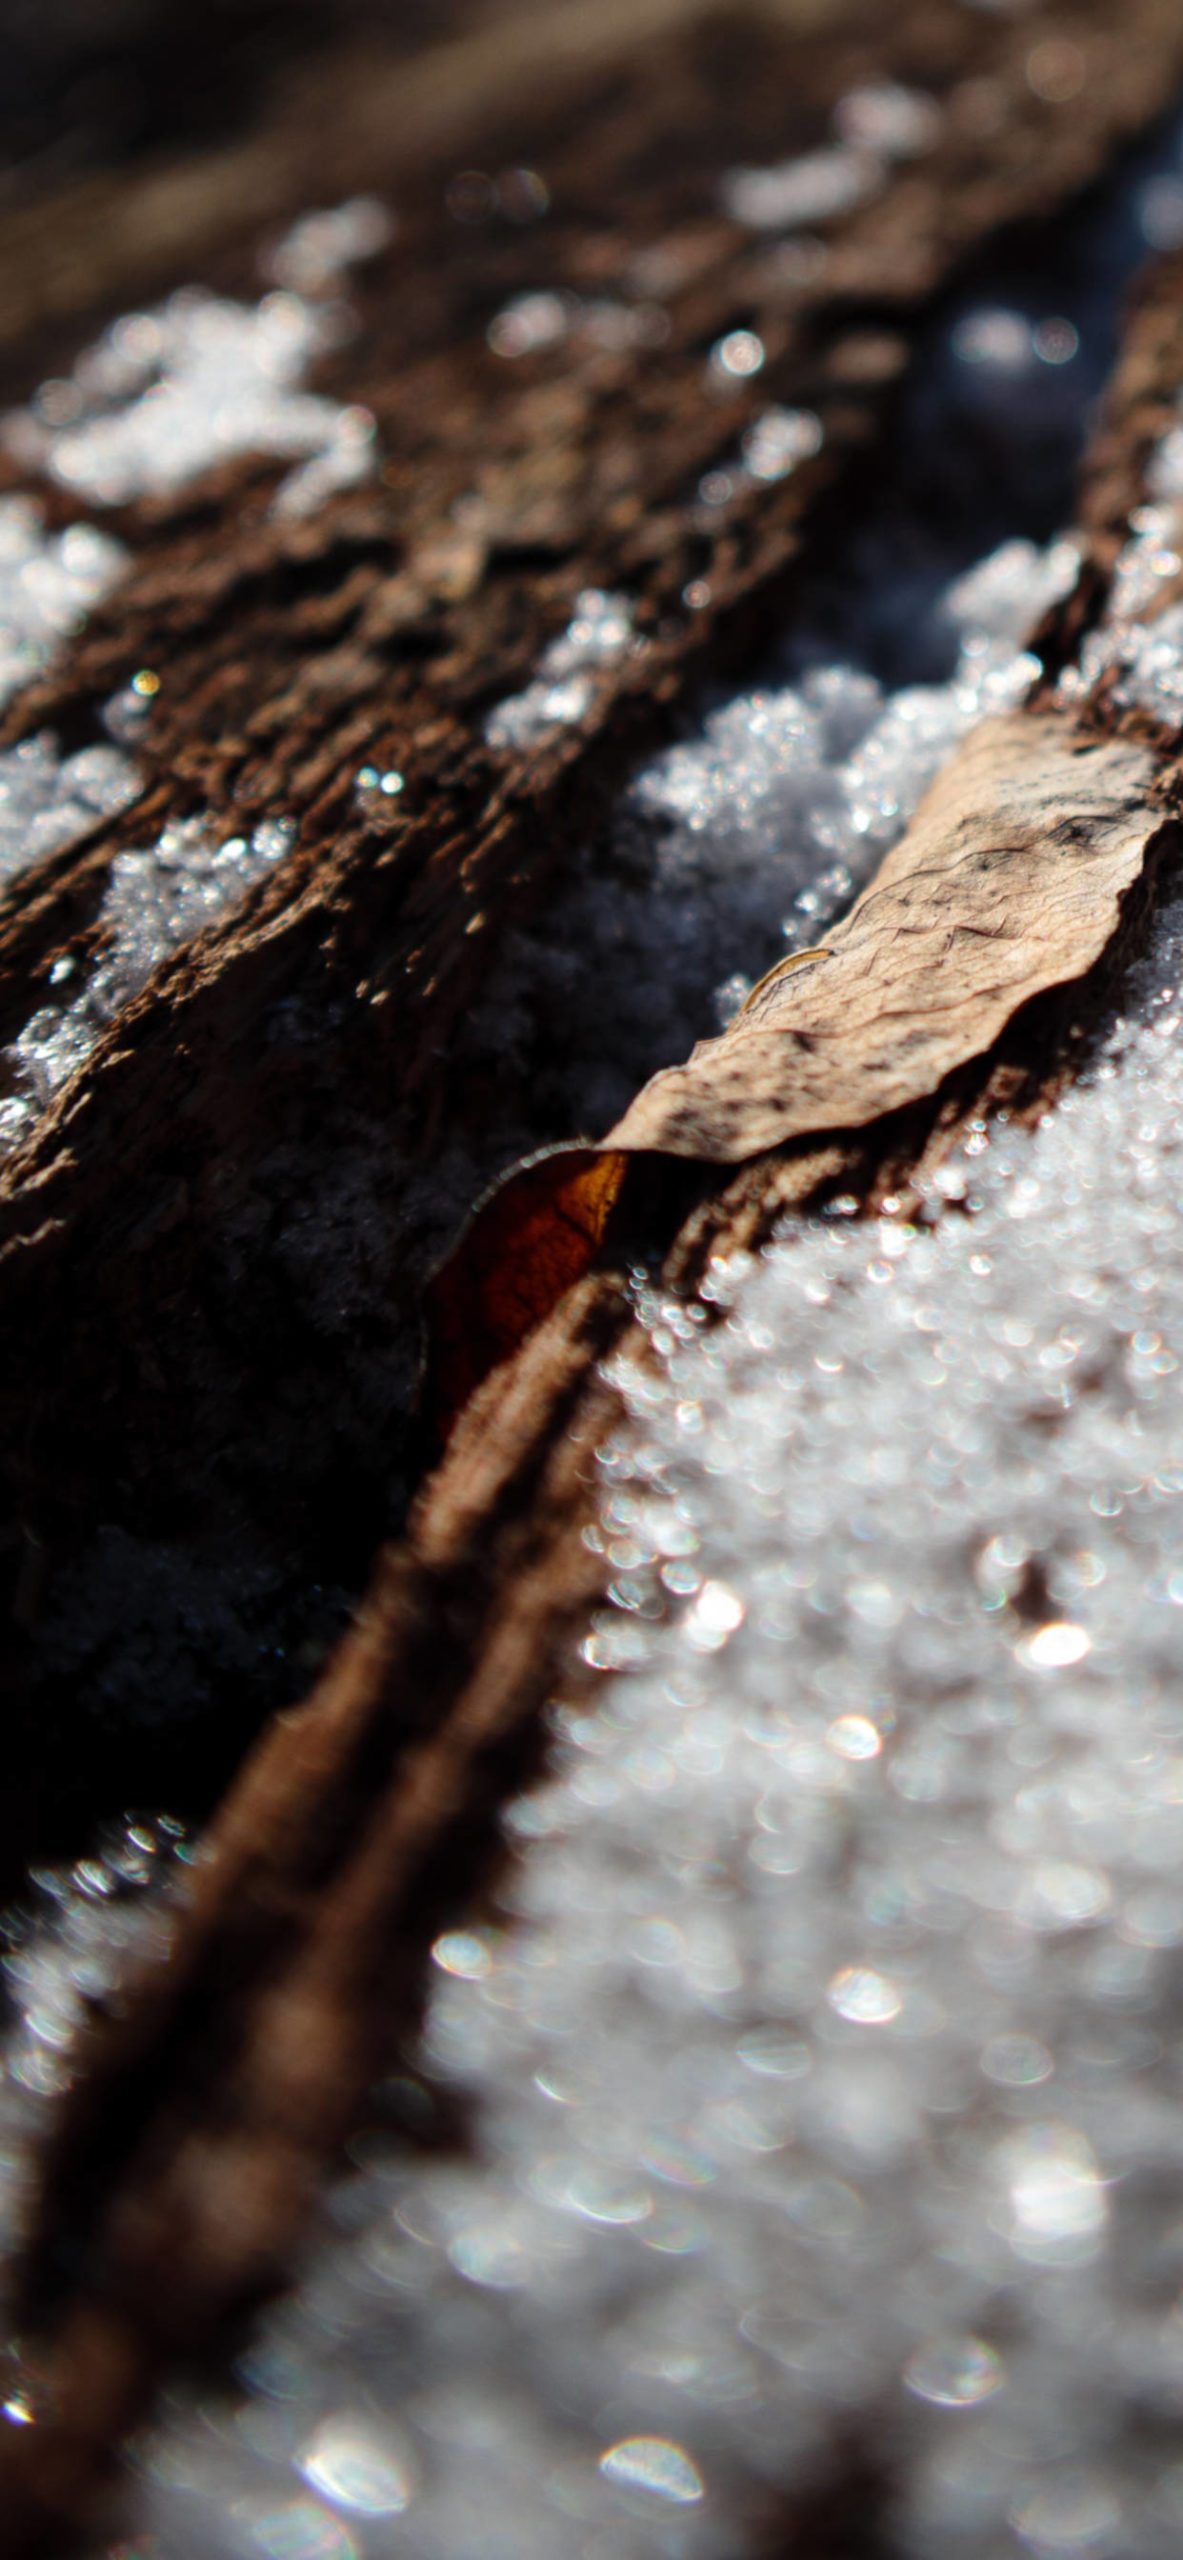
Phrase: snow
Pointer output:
(166, 394)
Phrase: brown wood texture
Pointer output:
(189, 1408)
(152, 1361)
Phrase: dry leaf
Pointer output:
(521, 1250)
(1008, 882)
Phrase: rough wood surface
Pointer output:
(204, 1414)
(161, 1360)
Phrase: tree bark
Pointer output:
(157, 1367)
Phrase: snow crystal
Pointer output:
(814, 188)
(777, 440)
(736, 357)
(1140, 638)
(1138, 642)
(166, 394)
(319, 249)
(47, 801)
(533, 322)
(64, 1954)
(600, 631)
(886, 117)
(875, 124)
(48, 583)
(156, 898)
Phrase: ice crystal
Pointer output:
(47, 801)
(533, 322)
(156, 898)
(48, 582)
(874, 125)
(167, 393)
(600, 630)
(321, 247)
(66, 1952)
(814, 188)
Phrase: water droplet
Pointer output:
(1059, 2207)
(714, 1617)
(855, 1738)
(738, 355)
(1055, 1646)
(461, 1952)
(368, 2473)
(867, 1998)
(654, 2464)
(954, 2373)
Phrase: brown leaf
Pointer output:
(520, 1252)
(1008, 882)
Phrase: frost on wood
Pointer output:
(47, 801)
(156, 898)
(166, 394)
(48, 582)
(563, 690)
(875, 125)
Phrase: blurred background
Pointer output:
(84, 83)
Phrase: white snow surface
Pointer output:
(156, 898)
(48, 583)
(63, 1956)
(599, 632)
(167, 393)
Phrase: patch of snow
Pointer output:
(64, 1954)
(166, 394)
(600, 630)
(48, 584)
(47, 801)
(321, 247)
(157, 897)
